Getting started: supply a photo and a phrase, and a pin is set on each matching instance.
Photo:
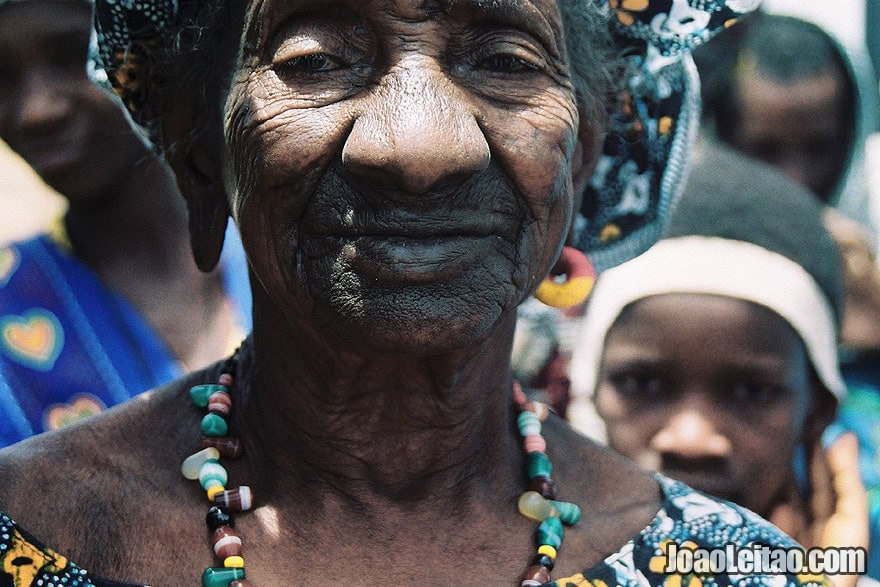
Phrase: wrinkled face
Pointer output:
(69, 130)
(709, 390)
(400, 171)
(796, 127)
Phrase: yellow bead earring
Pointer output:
(580, 277)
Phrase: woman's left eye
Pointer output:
(507, 63)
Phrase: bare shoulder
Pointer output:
(82, 488)
(617, 498)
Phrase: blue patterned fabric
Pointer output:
(698, 521)
(685, 517)
(70, 347)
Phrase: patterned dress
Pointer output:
(70, 347)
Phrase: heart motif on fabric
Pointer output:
(34, 339)
(81, 406)
(9, 260)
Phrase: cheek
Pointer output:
(283, 154)
(534, 148)
(629, 432)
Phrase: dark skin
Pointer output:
(375, 400)
(126, 220)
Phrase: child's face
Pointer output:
(710, 390)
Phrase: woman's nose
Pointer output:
(42, 103)
(419, 133)
(691, 434)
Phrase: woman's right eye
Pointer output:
(310, 63)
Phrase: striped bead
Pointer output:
(225, 542)
(551, 532)
(211, 474)
(569, 513)
(528, 423)
(220, 402)
(235, 500)
(229, 446)
(535, 443)
(535, 575)
(225, 379)
(199, 394)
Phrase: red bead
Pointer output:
(545, 486)
(229, 446)
(535, 575)
(519, 396)
(226, 379)
(220, 402)
(241, 583)
(225, 542)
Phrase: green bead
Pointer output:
(538, 465)
(528, 423)
(569, 513)
(550, 532)
(214, 425)
(199, 394)
(221, 577)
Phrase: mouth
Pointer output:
(414, 258)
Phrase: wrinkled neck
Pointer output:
(379, 426)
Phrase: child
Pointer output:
(712, 357)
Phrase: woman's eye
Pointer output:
(310, 63)
(506, 63)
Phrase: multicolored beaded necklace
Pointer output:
(538, 503)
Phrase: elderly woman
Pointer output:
(402, 175)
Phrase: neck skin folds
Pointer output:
(422, 430)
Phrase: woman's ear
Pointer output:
(194, 155)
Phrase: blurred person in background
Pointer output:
(712, 357)
(784, 91)
(109, 302)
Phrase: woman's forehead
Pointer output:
(416, 10)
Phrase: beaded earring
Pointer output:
(580, 277)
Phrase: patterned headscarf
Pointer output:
(644, 161)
